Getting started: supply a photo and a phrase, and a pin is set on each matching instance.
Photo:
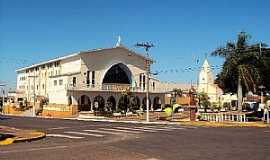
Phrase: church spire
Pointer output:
(118, 44)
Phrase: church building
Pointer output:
(206, 83)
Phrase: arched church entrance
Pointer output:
(118, 73)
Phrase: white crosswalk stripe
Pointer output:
(155, 129)
(85, 134)
(116, 130)
(165, 127)
(135, 129)
(120, 130)
(63, 136)
(103, 132)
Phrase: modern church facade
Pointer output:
(88, 81)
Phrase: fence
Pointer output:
(221, 117)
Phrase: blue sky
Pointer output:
(183, 31)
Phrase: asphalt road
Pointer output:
(72, 139)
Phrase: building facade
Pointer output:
(88, 80)
(206, 83)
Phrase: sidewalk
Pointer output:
(19, 135)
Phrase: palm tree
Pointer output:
(240, 66)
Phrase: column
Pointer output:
(92, 105)
(268, 117)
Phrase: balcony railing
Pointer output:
(116, 87)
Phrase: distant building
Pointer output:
(206, 83)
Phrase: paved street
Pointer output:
(72, 139)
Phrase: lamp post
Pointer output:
(146, 46)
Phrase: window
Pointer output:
(143, 83)
(37, 87)
(43, 86)
(93, 77)
(60, 82)
(88, 78)
(140, 80)
(154, 85)
(74, 81)
(55, 82)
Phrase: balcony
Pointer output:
(115, 87)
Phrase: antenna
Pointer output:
(145, 45)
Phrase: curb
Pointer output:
(7, 139)
(29, 139)
(11, 135)
(16, 139)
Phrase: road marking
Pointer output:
(189, 127)
(58, 128)
(165, 127)
(32, 149)
(120, 130)
(99, 131)
(134, 129)
(155, 129)
(63, 136)
(267, 131)
(85, 134)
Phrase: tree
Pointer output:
(176, 92)
(126, 103)
(204, 100)
(242, 68)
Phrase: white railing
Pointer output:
(112, 87)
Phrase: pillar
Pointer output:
(92, 105)
(268, 117)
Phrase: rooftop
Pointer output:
(77, 54)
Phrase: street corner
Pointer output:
(9, 135)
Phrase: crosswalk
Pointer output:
(115, 130)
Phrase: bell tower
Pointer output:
(205, 77)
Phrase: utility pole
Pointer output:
(261, 87)
(3, 95)
(146, 46)
(34, 89)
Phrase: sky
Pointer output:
(183, 32)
